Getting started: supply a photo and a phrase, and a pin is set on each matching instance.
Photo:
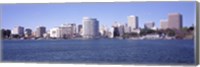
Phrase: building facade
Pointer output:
(80, 29)
(40, 31)
(133, 22)
(55, 32)
(174, 21)
(18, 30)
(90, 27)
(163, 24)
(63, 31)
(127, 29)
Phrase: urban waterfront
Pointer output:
(109, 51)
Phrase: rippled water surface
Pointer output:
(109, 51)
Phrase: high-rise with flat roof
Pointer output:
(174, 21)
(18, 30)
(90, 27)
(80, 27)
(133, 22)
(40, 31)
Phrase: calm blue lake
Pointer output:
(109, 51)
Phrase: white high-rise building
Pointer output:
(133, 22)
(90, 27)
(55, 32)
(18, 30)
(63, 31)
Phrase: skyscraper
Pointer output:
(174, 21)
(18, 30)
(133, 22)
(73, 27)
(90, 27)
(80, 27)
(163, 24)
(40, 31)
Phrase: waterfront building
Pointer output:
(136, 31)
(116, 32)
(149, 25)
(68, 30)
(111, 32)
(80, 29)
(40, 31)
(102, 30)
(55, 32)
(151, 36)
(18, 30)
(121, 30)
(127, 29)
(163, 24)
(5, 33)
(72, 27)
(46, 35)
(28, 32)
(90, 27)
(174, 21)
(118, 29)
(133, 22)
(63, 31)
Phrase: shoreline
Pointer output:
(100, 39)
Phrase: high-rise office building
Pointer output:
(28, 32)
(67, 30)
(118, 29)
(163, 24)
(121, 30)
(149, 25)
(133, 22)
(174, 21)
(18, 30)
(90, 27)
(80, 27)
(127, 29)
(40, 31)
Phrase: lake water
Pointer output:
(106, 51)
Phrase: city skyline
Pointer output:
(34, 16)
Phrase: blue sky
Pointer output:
(52, 15)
